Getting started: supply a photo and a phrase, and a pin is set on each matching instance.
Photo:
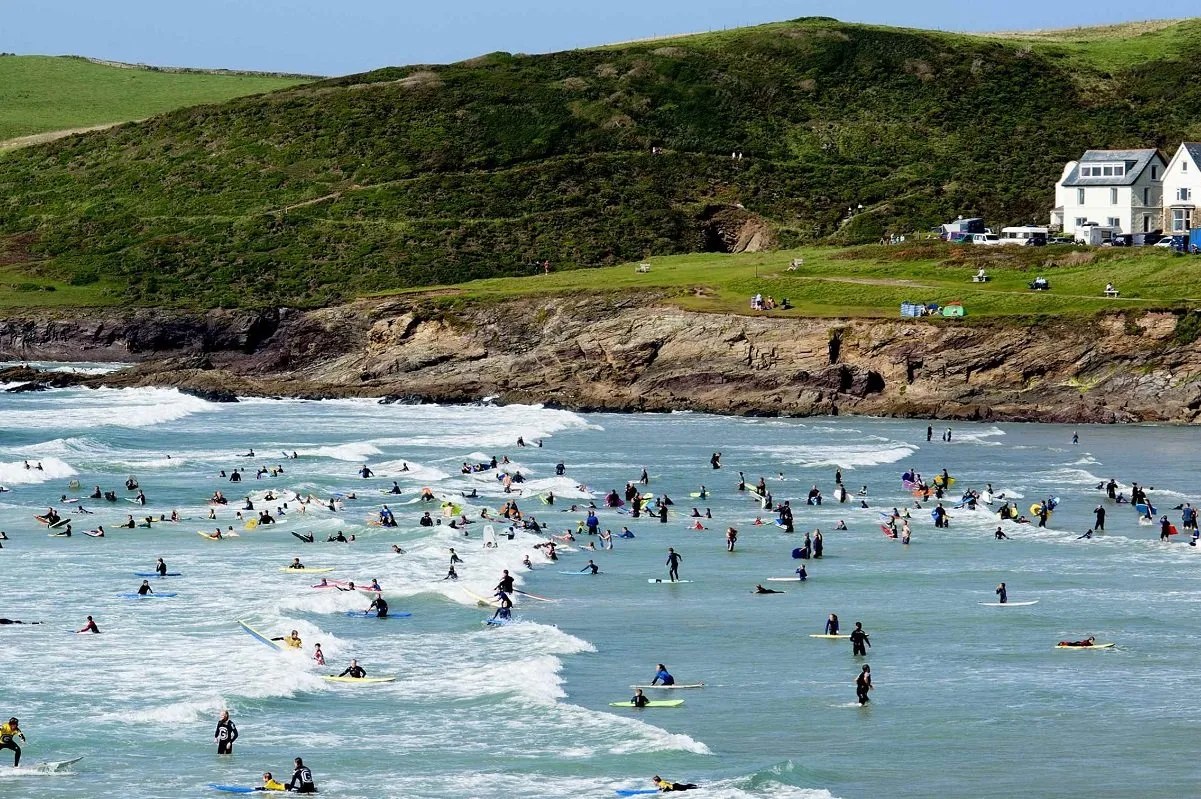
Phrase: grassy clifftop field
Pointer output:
(425, 175)
(45, 95)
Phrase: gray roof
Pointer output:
(1136, 161)
(1194, 149)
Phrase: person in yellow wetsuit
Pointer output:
(292, 640)
(270, 783)
(10, 731)
(664, 786)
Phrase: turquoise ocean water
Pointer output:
(971, 701)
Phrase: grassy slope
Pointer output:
(42, 93)
(426, 175)
(872, 281)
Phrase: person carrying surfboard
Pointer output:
(9, 731)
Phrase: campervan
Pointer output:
(1096, 235)
(1024, 235)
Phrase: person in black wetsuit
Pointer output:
(17, 621)
(506, 583)
(354, 670)
(759, 589)
(161, 568)
(673, 564)
(504, 608)
(9, 732)
(1002, 594)
(302, 779)
(592, 567)
(859, 640)
(863, 684)
(380, 606)
(144, 589)
(639, 699)
(664, 786)
(225, 734)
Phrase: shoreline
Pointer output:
(632, 353)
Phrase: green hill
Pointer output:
(439, 174)
(44, 94)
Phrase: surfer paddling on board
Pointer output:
(664, 786)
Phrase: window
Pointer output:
(1182, 219)
(1079, 196)
(1114, 222)
(1113, 196)
(1154, 173)
(1184, 194)
(1146, 196)
(1081, 221)
(1184, 165)
(1146, 223)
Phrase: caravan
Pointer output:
(1096, 235)
(1024, 235)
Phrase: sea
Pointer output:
(970, 700)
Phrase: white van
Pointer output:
(1024, 235)
(987, 239)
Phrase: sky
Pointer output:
(336, 37)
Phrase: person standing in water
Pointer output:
(832, 624)
(863, 684)
(9, 732)
(1002, 594)
(673, 564)
(226, 734)
(859, 640)
(731, 538)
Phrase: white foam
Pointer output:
(357, 451)
(87, 408)
(846, 456)
(15, 473)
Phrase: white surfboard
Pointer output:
(1009, 604)
(669, 582)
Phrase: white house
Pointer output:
(1181, 188)
(1115, 188)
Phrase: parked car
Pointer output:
(986, 239)
(1061, 240)
(1165, 242)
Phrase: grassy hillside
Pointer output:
(422, 175)
(41, 94)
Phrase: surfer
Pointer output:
(292, 640)
(144, 589)
(380, 606)
(395, 489)
(639, 699)
(16, 621)
(1000, 534)
(354, 670)
(1087, 534)
(664, 786)
(506, 583)
(270, 783)
(859, 640)
(366, 472)
(715, 460)
(295, 564)
(9, 731)
(504, 609)
(160, 568)
(801, 574)
(1090, 641)
(225, 734)
(318, 655)
(1002, 594)
(90, 627)
(731, 538)
(863, 684)
(759, 589)
(662, 676)
(302, 779)
(1165, 528)
(591, 567)
(306, 537)
(832, 624)
(673, 564)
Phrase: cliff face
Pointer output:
(635, 353)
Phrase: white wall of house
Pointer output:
(1182, 190)
(1135, 208)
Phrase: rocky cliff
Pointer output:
(640, 353)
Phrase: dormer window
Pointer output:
(1103, 171)
(1184, 166)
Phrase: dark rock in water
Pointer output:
(25, 387)
(402, 399)
(210, 394)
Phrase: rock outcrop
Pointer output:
(639, 353)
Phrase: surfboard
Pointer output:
(232, 788)
(535, 596)
(308, 570)
(211, 537)
(1094, 646)
(498, 622)
(888, 532)
(652, 703)
(361, 680)
(635, 791)
(1008, 604)
(674, 685)
(698, 495)
(156, 574)
(258, 636)
(669, 582)
(92, 533)
(1140, 507)
(60, 523)
(250, 525)
(581, 574)
(827, 635)
(44, 767)
(481, 600)
(358, 614)
(784, 580)
(135, 595)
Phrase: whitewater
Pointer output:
(970, 700)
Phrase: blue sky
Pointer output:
(332, 37)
